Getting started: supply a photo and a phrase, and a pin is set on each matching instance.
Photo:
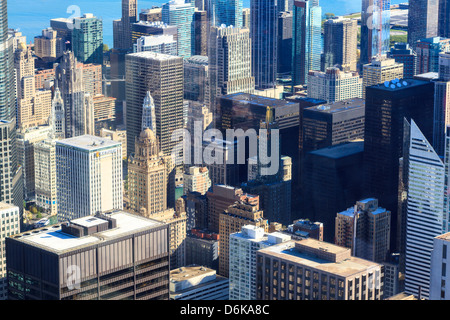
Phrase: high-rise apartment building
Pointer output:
(180, 13)
(428, 51)
(340, 44)
(306, 40)
(439, 285)
(380, 71)
(87, 39)
(423, 20)
(334, 85)
(89, 176)
(386, 107)
(243, 248)
(402, 53)
(196, 180)
(243, 212)
(315, 270)
(230, 65)
(264, 33)
(152, 14)
(219, 199)
(49, 45)
(425, 214)
(10, 221)
(90, 258)
(161, 75)
(365, 229)
(375, 29)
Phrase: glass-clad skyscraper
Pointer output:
(306, 39)
(227, 12)
(375, 29)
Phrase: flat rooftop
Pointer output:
(51, 238)
(399, 84)
(154, 56)
(4, 205)
(341, 150)
(345, 268)
(339, 106)
(445, 236)
(89, 143)
(187, 273)
(258, 100)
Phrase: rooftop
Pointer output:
(445, 236)
(4, 205)
(341, 150)
(154, 56)
(258, 100)
(89, 143)
(53, 239)
(339, 106)
(399, 84)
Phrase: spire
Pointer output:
(57, 117)
(148, 113)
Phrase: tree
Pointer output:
(105, 47)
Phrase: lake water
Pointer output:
(31, 16)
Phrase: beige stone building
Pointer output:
(197, 180)
(49, 45)
(315, 270)
(116, 135)
(380, 71)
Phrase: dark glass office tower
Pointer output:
(264, 33)
(10, 171)
(444, 18)
(387, 105)
(423, 17)
(285, 42)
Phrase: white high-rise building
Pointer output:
(88, 175)
(334, 85)
(243, 247)
(440, 268)
(45, 175)
(158, 43)
(10, 225)
(425, 214)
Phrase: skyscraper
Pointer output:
(428, 51)
(9, 217)
(285, 23)
(161, 43)
(224, 12)
(89, 176)
(340, 44)
(444, 18)
(122, 27)
(87, 39)
(379, 71)
(423, 20)
(201, 33)
(306, 40)
(441, 104)
(375, 29)
(264, 33)
(180, 13)
(424, 219)
(147, 72)
(404, 54)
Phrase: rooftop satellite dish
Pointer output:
(405, 83)
(395, 80)
(399, 84)
(393, 86)
(386, 84)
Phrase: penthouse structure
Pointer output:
(96, 253)
(314, 270)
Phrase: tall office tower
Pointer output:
(444, 19)
(428, 51)
(87, 39)
(33, 106)
(198, 283)
(9, 217)
(224, 12)
(89, 176)
(156, 28)
(122, 27)
(58, 118)
(425, 217)
(306, 40)
(152, 14)
(246, 18)
(243, 212)
(423, 20)
(147, 71)
(365, 229)
(334, 85)
(332, 124)
(89, 258)
(63, 27)
(230, 65)
(161, 43)
(180, 13)
(147, 176)
(402, 53)
(380, 71)
(319, 271)
(441, 104)
(439, 285)
(18, 38)
(375, 29)
(49, 45)
(219, 199)
(45, 175)
(196, 180)
(331, 180)
(285, 23)
(25, 140)
(264, 33)
(196, 80)
(340, 44)
(286, 5)
(176, 219)
(386, 107)
(201, 33)
(243, 247)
